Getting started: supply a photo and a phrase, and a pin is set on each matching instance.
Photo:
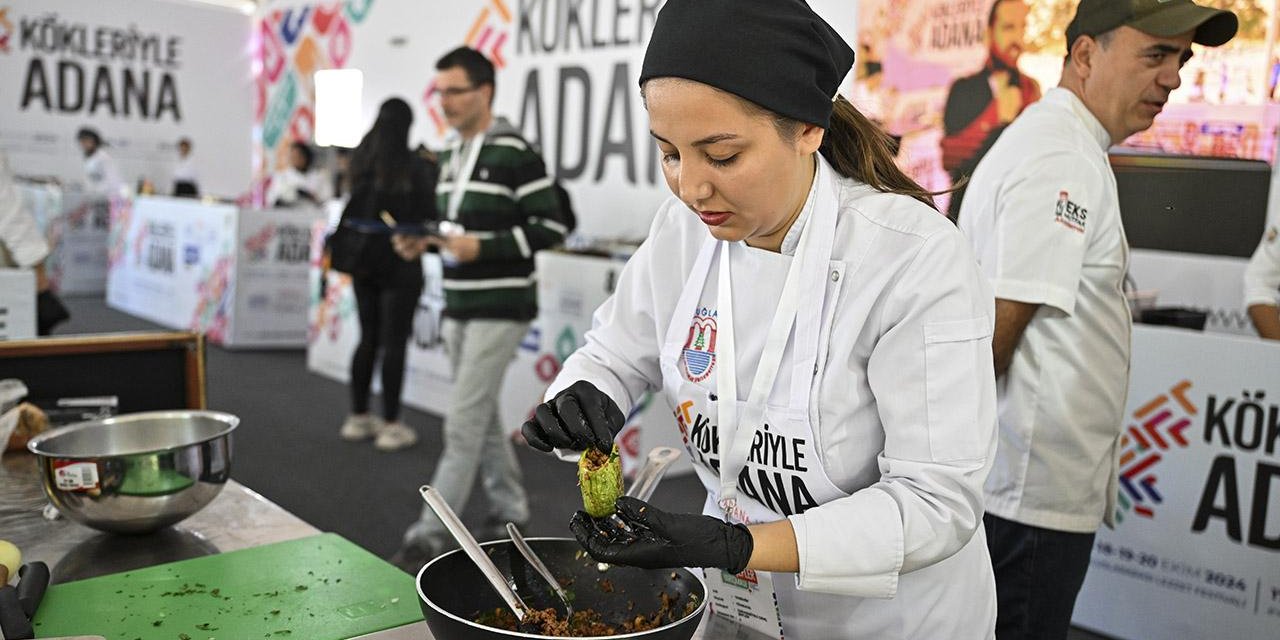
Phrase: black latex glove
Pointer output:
(661, 540)
(581, 416)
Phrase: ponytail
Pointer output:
(854, 146)
(860, 149)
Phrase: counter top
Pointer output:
(238, 518)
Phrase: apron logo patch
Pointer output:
(699, 355)
(1069, 214)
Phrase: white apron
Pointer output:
(775, 469)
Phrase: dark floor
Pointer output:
(287, 448)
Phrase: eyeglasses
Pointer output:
(452, 92)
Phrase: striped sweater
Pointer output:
(509, 203)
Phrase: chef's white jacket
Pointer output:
(1262, 276)
(20, 239)
(286, 184)
(904, 404)
(102, 175)
(184, 170)
(1043, 214)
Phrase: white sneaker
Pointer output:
(360, 427)
(394, 436)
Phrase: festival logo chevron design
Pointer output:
(1154, 430)
(488, 35)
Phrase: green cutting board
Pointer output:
(317, 588)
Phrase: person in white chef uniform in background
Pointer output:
(822, 332)
(186, 178)
(101, 173)
(1262, 285)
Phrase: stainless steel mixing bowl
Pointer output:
(138, 472)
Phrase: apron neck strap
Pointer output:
(806, 280)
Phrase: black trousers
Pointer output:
(1039, 572)
(386, 320)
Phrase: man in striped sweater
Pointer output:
(497, 189)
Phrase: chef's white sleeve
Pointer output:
(19, 233)
(620, 352)
(1262, 276)
(1042, 228)
(933, 380)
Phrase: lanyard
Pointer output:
(462, 179)
(734, 459)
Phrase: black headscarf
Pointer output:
(778, 54)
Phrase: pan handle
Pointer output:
(655, 466)
(473, 550)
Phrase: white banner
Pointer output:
(142, 72)
(1196, 553)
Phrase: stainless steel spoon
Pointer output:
(539, 566)
(473, 550)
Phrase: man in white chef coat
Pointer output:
(1043, 215)
(1262, 285)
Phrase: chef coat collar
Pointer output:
(791, 241)
(1065, 98)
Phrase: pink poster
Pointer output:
(946, 76)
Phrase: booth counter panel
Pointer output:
(1196, 550)
(239, 276)
(17, 304)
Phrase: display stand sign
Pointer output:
(271, 277)
(17, 304)
(1196, 551)
(239, 276)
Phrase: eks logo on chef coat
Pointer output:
(1069, 214)
(699, 355)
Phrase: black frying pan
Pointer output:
(452, 591)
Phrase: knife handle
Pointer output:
(34, 579)
(13, 622)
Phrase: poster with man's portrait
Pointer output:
(947, 76)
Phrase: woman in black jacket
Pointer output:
(385, 176)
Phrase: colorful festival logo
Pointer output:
(488, 35)
(1156, 428)
(289, 47)
(6, 30)
(699, 355)
(257, 245)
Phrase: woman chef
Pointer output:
(823, 335)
